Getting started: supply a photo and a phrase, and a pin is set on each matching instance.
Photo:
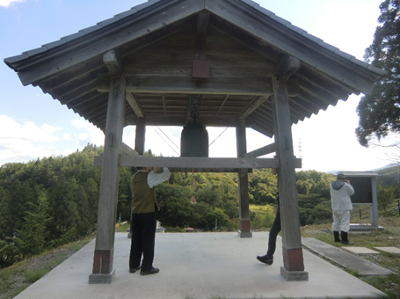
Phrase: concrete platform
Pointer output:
(199, 266)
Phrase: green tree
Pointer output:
(3, 212)
(216, 218)
(386, 198)
(33, 237)
(263, 186)
(379, 112)
(176, 209)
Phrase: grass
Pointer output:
(122, 228)
(388, 237)
(262, 209)
(15, 279)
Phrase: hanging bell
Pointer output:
(194, 140)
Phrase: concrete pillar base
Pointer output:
(102, 278)
(294, 275)
(245, 234)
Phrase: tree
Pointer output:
(379, 112)
(33, 237)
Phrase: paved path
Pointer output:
(199, 266)
(344, 259)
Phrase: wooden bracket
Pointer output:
(287, 66)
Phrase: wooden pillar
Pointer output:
(103, 271)
(244, 209)
(140, 135)
(293, 268)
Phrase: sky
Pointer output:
(33, 125)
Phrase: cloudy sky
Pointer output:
(34, 125)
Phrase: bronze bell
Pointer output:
(194, 140)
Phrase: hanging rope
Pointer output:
(218, 136)
(168, 138)
(166, 141)
(193, 199)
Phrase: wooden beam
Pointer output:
(287, 66)
(140, 136)
(198, 163)
(126, 149)
(268, 149)
(112, 63)
(257, 102)
(108, 193)
(202, 22)
(201, 34)
(257, 86)
(243, 182)
(288, 200)
(164, 107)
(134, 104)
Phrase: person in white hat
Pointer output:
(341, 190)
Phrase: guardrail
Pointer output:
(364, 213)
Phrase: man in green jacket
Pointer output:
(143, 224)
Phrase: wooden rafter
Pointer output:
(257, 102)
(134, 104)
(222, 104)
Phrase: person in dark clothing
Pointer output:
(143, 223)
(268, 258)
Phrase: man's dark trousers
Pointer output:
(143, 229)
(273, 233)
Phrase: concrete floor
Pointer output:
(199, 265)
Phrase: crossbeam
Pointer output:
(227, 164)
(185, 85)
(268, 149)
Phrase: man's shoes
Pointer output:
(266, 259)
(134, 270)
(151, 271)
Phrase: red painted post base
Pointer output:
(103, 272)
(102, 261)
(244, 231)
(293, 259)
(293, 266)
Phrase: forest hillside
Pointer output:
(53, 201)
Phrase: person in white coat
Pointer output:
(341, 190)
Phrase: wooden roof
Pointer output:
(154, 45)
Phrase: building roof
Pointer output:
(155, 44)
(359, 174)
